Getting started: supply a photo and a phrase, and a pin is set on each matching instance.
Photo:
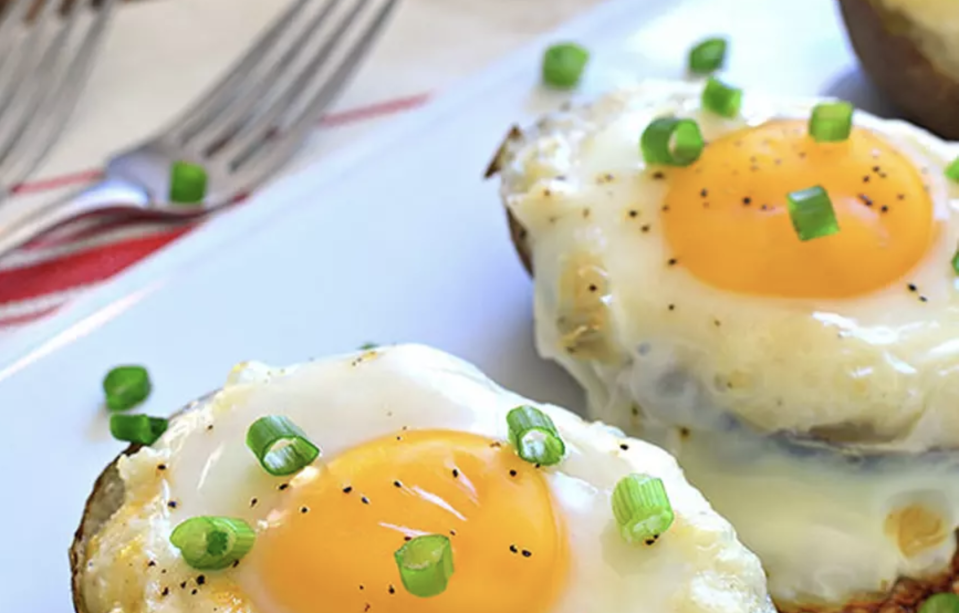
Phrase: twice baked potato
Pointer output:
(910, 49)
(415, 443)
(850, 506)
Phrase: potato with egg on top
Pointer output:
(807, 387)
(910, 49)
(414, 444)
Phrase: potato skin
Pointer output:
(923, 93)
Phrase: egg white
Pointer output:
(698, 565)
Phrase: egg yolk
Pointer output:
(332, 548)
(726, 217)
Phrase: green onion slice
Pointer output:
(955, 262)
(672, 141)
(126, 386)
(952, 170)
(368, 346)
(722, 99)
(563, 65)
(212, 543)
(707, 56)
(139, 429)
(941, 603)
(534, 436)
(426, 565)
(641, 508)
(187, 183)
(280, 446)
(812, 213)
(831, 122)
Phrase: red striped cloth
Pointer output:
(43, 276)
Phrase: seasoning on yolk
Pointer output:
(339, 556)
(744, 240)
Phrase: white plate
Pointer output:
(398, 239)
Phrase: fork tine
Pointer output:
(257, 130)
(65, 79)
(256, 165)
(9, 20)
(209, 103)
(27, 57)
(238, 110)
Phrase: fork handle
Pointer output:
(101, 197)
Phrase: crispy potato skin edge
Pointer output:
(899, 68)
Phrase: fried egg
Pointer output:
(413, 442)
(808, 388)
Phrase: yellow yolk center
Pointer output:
(331, 548)
(726, 217)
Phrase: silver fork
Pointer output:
(240, 131)
(44, 64)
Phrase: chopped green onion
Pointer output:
(139, 429)
(563, 65)
(952, 170)
(280, 446)
(955, 262)
(212, 543)
(707, 56)
(831, 122)
(941, 603)
(187, 183)
(426, 565)
(641, 508)
(672, 141)
(368, 346)
(721, 98)
(534, 436)
(126, 386)
(812, 213)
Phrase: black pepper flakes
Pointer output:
(236, 563)
(672, 261)
(496, 444)
(183, 585)
(513, 549)
(165, 592)
(865, 179)
(193, 592)
(912, 287)
(201, 579)
(365, 500)
(397, 484)
(704, 192)
(633, 213)
(362, 588)
(665, 208)
(650, 541)
(592, 287)
(392, 590)
(645, 228)
(304, 510)
(624, 446)
(347, 489)
(527, 553)
(253, 502)
(283, 486)
(512, 472)
(452, 532)
(151, 563)
(161, 467)
(658, 175)
(672, 307)
(923, 299)
(901, 196)
(456, 473)
(747, 201)
(865, 199)
(171, 504)
(884, 209)
(405, 538)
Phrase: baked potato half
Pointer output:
(910, 49)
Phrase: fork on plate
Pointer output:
(46, 52)
(240, 131)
